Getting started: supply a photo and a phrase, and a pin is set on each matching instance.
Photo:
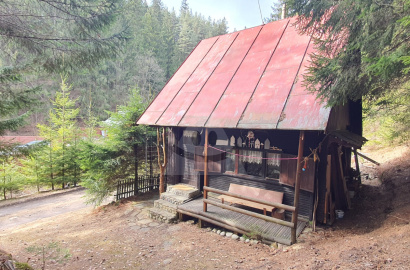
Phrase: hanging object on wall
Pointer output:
(267, 144)
(250, 138)
(239, 142)
(257, 144)
(275, 148)
(224, 142)
(232, 141)
(191, 137)
(251, 143)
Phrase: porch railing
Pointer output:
(250, 213)
(130, 187)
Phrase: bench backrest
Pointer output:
(258, 193)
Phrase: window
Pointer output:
(250, 162)
(273, 165)
(230, 161)
(215, 158)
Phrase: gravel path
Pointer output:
(43, 207)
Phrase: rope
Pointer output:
(223, 151)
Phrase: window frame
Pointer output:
(264, 163)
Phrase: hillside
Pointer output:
(375, 234)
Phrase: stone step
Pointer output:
(162, 215)
(174, 199)
(165, 205)
(183, 190)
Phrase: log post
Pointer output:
(297, 186)
(206, 169)
(356, 160)
(162, 165)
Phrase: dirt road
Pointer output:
(33, 210)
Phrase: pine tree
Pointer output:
(62, 135)
(11, 179)
(114, 158)
(15, 96)
(363, 46)
(61, 34)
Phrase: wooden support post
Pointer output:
(206, 169)
(201, 223)
(236, 160)
(162, 165)
(342, 176)
(328, 199)
(297, 186)
(356, 160)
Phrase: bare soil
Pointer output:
(375, 234)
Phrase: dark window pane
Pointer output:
(250, 162)
(230, 162)
(273, 165)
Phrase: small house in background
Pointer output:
(22, 140)
(240, 122)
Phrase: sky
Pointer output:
(238, 13)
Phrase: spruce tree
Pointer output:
(363, 46)
(62, 134)
(61, 34)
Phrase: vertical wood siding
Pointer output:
(305, 201)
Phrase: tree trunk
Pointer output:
(51, 169)
(4, 180)
(162, 165)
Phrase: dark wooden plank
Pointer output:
(266, 229)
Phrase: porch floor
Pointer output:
(267, 230)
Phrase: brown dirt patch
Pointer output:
(373, 235)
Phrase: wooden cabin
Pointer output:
(242, 96)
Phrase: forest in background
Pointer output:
(96, 59)
(156, 42)
(66, 67)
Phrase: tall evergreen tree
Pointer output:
(107, 161)
(363, 46)
(49, 36)
(62, 134)
(61, 34)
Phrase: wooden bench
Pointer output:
(257, 193)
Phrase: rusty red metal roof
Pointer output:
(250, 79)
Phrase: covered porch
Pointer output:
(239, 223)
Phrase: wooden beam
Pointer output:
(252, 214)
(213, 220)
(367, 158)
(162, 165)
(328, 198)
(206, 169)
(356, 160)
(342, 176)
(238, 228)
(236, 161)
(297, 185)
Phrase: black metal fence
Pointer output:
(129, 187)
